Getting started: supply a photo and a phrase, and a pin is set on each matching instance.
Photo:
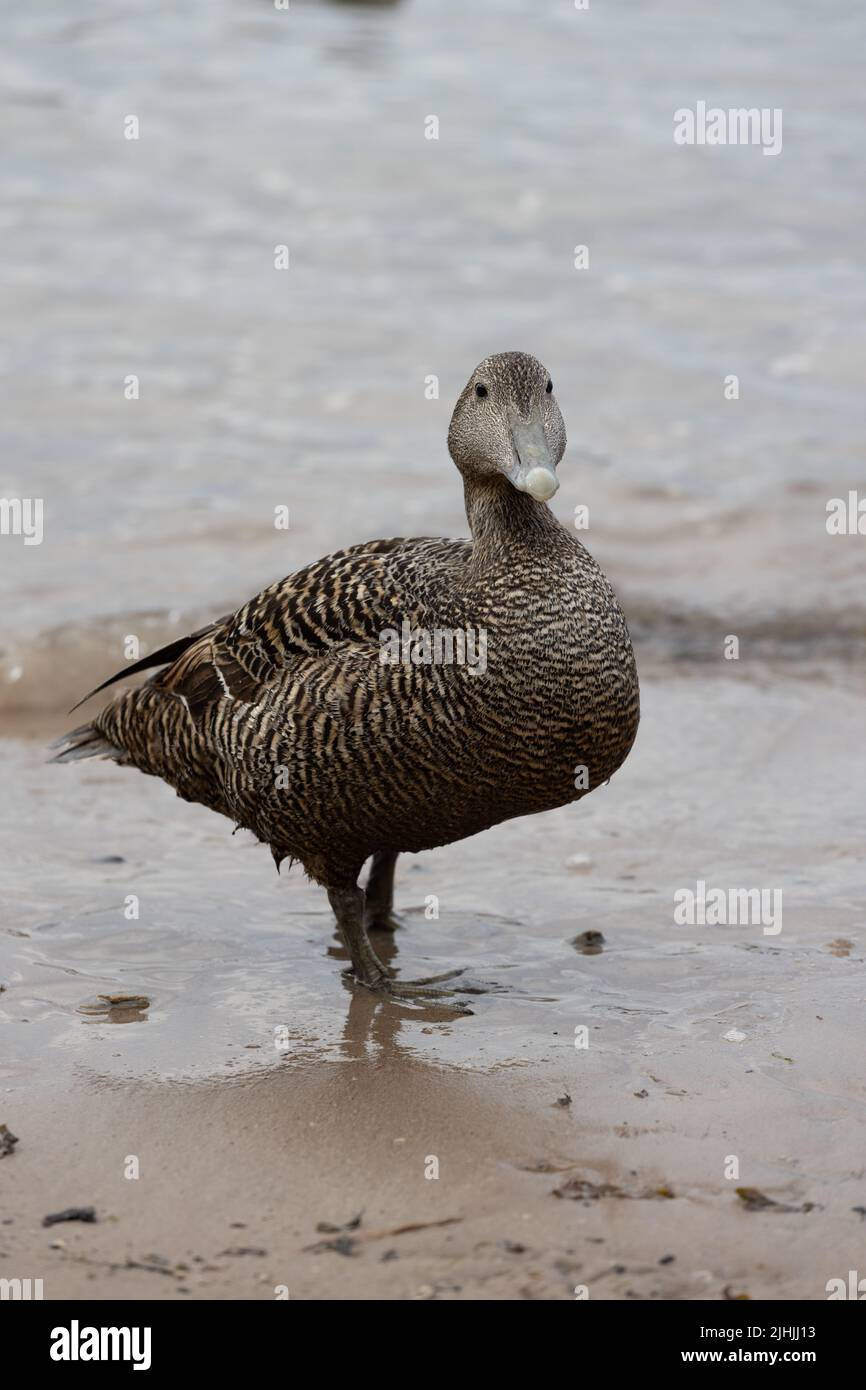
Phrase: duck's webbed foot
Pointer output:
(368, 970)
(427, 988)
(431, 989)
(379, 914)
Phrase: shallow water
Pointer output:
(411, 257)
(242, 970)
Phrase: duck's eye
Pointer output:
(480, 391)
(549, 388)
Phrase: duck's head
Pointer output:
(507, 423)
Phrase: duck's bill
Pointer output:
(534, 472)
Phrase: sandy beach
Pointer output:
(262, 1094)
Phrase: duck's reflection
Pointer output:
(373, 1019)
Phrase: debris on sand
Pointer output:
(588, 943)
(585, 1190)
(342, 1242)
(70, 1214)
(345, 1244)
(841, 947)
(115, 1004)
(415, 1226)
(755, 1200)
(8, 1140)
(341, 1245)
(544, 1165)
(328, 1227)
(152, 1264)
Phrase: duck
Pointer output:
(402, 694)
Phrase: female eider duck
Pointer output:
(303, 719)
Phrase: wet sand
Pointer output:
(263, 1094)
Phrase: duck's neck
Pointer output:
(504, 521)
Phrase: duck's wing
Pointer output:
(162, 657)
(347, 597)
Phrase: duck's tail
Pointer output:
(135, 730)
(151, 729)
(86, 742)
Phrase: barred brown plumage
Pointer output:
(285, 717)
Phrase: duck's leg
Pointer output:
(350, 910)
(380, 914)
